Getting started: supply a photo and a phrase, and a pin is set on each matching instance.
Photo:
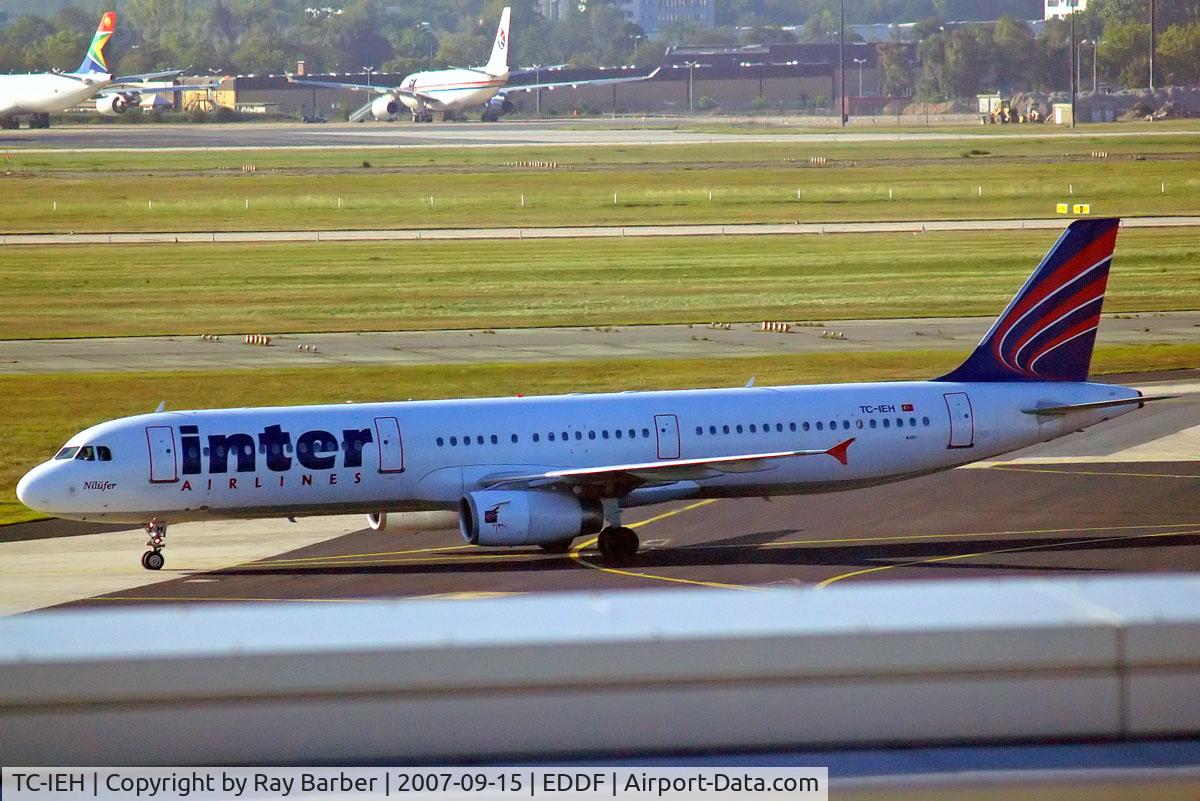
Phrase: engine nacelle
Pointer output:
(384, 107)
(497, 517)
(111, 105)
(500, 105)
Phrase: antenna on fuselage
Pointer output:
(162, 404)
(750, 383)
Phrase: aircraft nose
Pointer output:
(32, 489)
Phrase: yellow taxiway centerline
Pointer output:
(1039, 546)
(576, 554)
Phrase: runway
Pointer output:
(142, 354)
(560, 133)
(573, 232)
(1122, 497)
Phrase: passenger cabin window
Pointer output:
(66, 453)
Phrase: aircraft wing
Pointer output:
(146, 76)
(608, 478)
(357, 87)
(153, 90)
(529, 87)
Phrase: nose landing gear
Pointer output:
(156, 536)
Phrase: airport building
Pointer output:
(652, 16)
(1059, 9)
(782, 77)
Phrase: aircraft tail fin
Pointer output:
(95, 62)
(497, 65)
(1048, 330)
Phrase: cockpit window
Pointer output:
(66, 453)
(86, 454)
(103, 453)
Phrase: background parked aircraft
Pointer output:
(456, 90)
(37, 95)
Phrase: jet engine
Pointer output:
(385, 107)
(497, 517)
(496, 108)
(112, 105)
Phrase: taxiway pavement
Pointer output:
(512, 133)
(141, 354)
(573, 232)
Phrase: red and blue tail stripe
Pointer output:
(1049, 329)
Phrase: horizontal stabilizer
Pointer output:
(1083, 407)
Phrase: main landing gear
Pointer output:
(156, 540)
(618, 544)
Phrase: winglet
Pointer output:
(839, 451)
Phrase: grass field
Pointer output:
(41, 412)
(293, 287)
(957, 189)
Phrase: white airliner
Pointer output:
(455, 90)
(37, 95)
(545, 470)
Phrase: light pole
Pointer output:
(860, 62)
(842, 60)
(368, 69)
(1074, 87)
(1079, 64)
(637, 37)
(1153, 43)
(690, 65)
(537, 93)
(427, 29)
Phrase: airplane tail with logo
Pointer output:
(95, 62)
(497, 65)
(1048, 330)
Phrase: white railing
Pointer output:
(594, 674)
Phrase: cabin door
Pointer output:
(391, 446)
(962, 420)
(666, 427)
(164, 465)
